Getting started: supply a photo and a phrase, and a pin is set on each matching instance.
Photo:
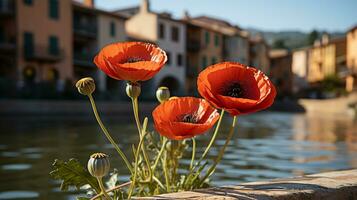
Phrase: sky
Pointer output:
(267, 15)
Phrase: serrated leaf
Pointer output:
(72, 173)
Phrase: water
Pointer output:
(265, 146)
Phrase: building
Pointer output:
(34, 42)
(170, 35)
(281, 71)
(210, 41)
(300, 67)
(236, 46)
(327, 57)
(92, 30)
(259, 54)
(352, 59)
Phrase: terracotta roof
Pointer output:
(79, 5)
(214, 24)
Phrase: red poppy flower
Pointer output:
(236, 88)
(131, 61)
(184, 117)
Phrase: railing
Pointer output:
(43, 54)
(7, 7)
(83, 59)
(89, 30)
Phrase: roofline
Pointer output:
(97, 11)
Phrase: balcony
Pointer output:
(193, 45)
(43, 54)
(7, 45)
(7, 8)
(85, 31)
(83, 59)
(191, 71)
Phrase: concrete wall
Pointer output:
(339, 185)
(35, 19)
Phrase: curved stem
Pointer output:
(132, 187)
(107, 134)
(102, 188)
(221, 153)
(138, 124)
(160, 154)
(164, 164)
(112, 189)
(213, 139)
(193, 152)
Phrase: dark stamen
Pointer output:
(233, 90)
(134, 59)
(189, 118)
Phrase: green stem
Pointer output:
(221, 153)
(101, 185)
(164, 164)
(160, 154)
(132, 187)
(138, 124)
(107, 134)
(193, 152)
(213, 139)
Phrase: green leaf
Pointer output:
(72, 173)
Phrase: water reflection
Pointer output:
(266, 145)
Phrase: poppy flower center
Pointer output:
(189, 118)
(134, 59)
(234, 90)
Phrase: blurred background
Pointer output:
(307, 48)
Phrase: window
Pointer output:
(175, 34)
(216, 40)
(179, 60)
(28, 44)
(168, 54)
(207, 37)
(214, 60)
(161, 31)
(53, 9)
(53, 45)
(112, 29)
(28, 2)
(204, 62)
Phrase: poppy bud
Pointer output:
(133, 90)
(98, 165)
(162, 94)
(85, 86)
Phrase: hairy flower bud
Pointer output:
(85, 86)
(133, 90)
(162, 94)
(98, 165)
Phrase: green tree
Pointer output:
(279, 44)
(313, 35)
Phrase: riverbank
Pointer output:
(341, 185)
(108, 108)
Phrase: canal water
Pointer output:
(265, 146)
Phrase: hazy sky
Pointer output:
(305, 15)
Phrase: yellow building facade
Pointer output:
(351, 82)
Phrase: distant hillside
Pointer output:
(292, 39)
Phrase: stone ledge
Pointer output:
(339, 185)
